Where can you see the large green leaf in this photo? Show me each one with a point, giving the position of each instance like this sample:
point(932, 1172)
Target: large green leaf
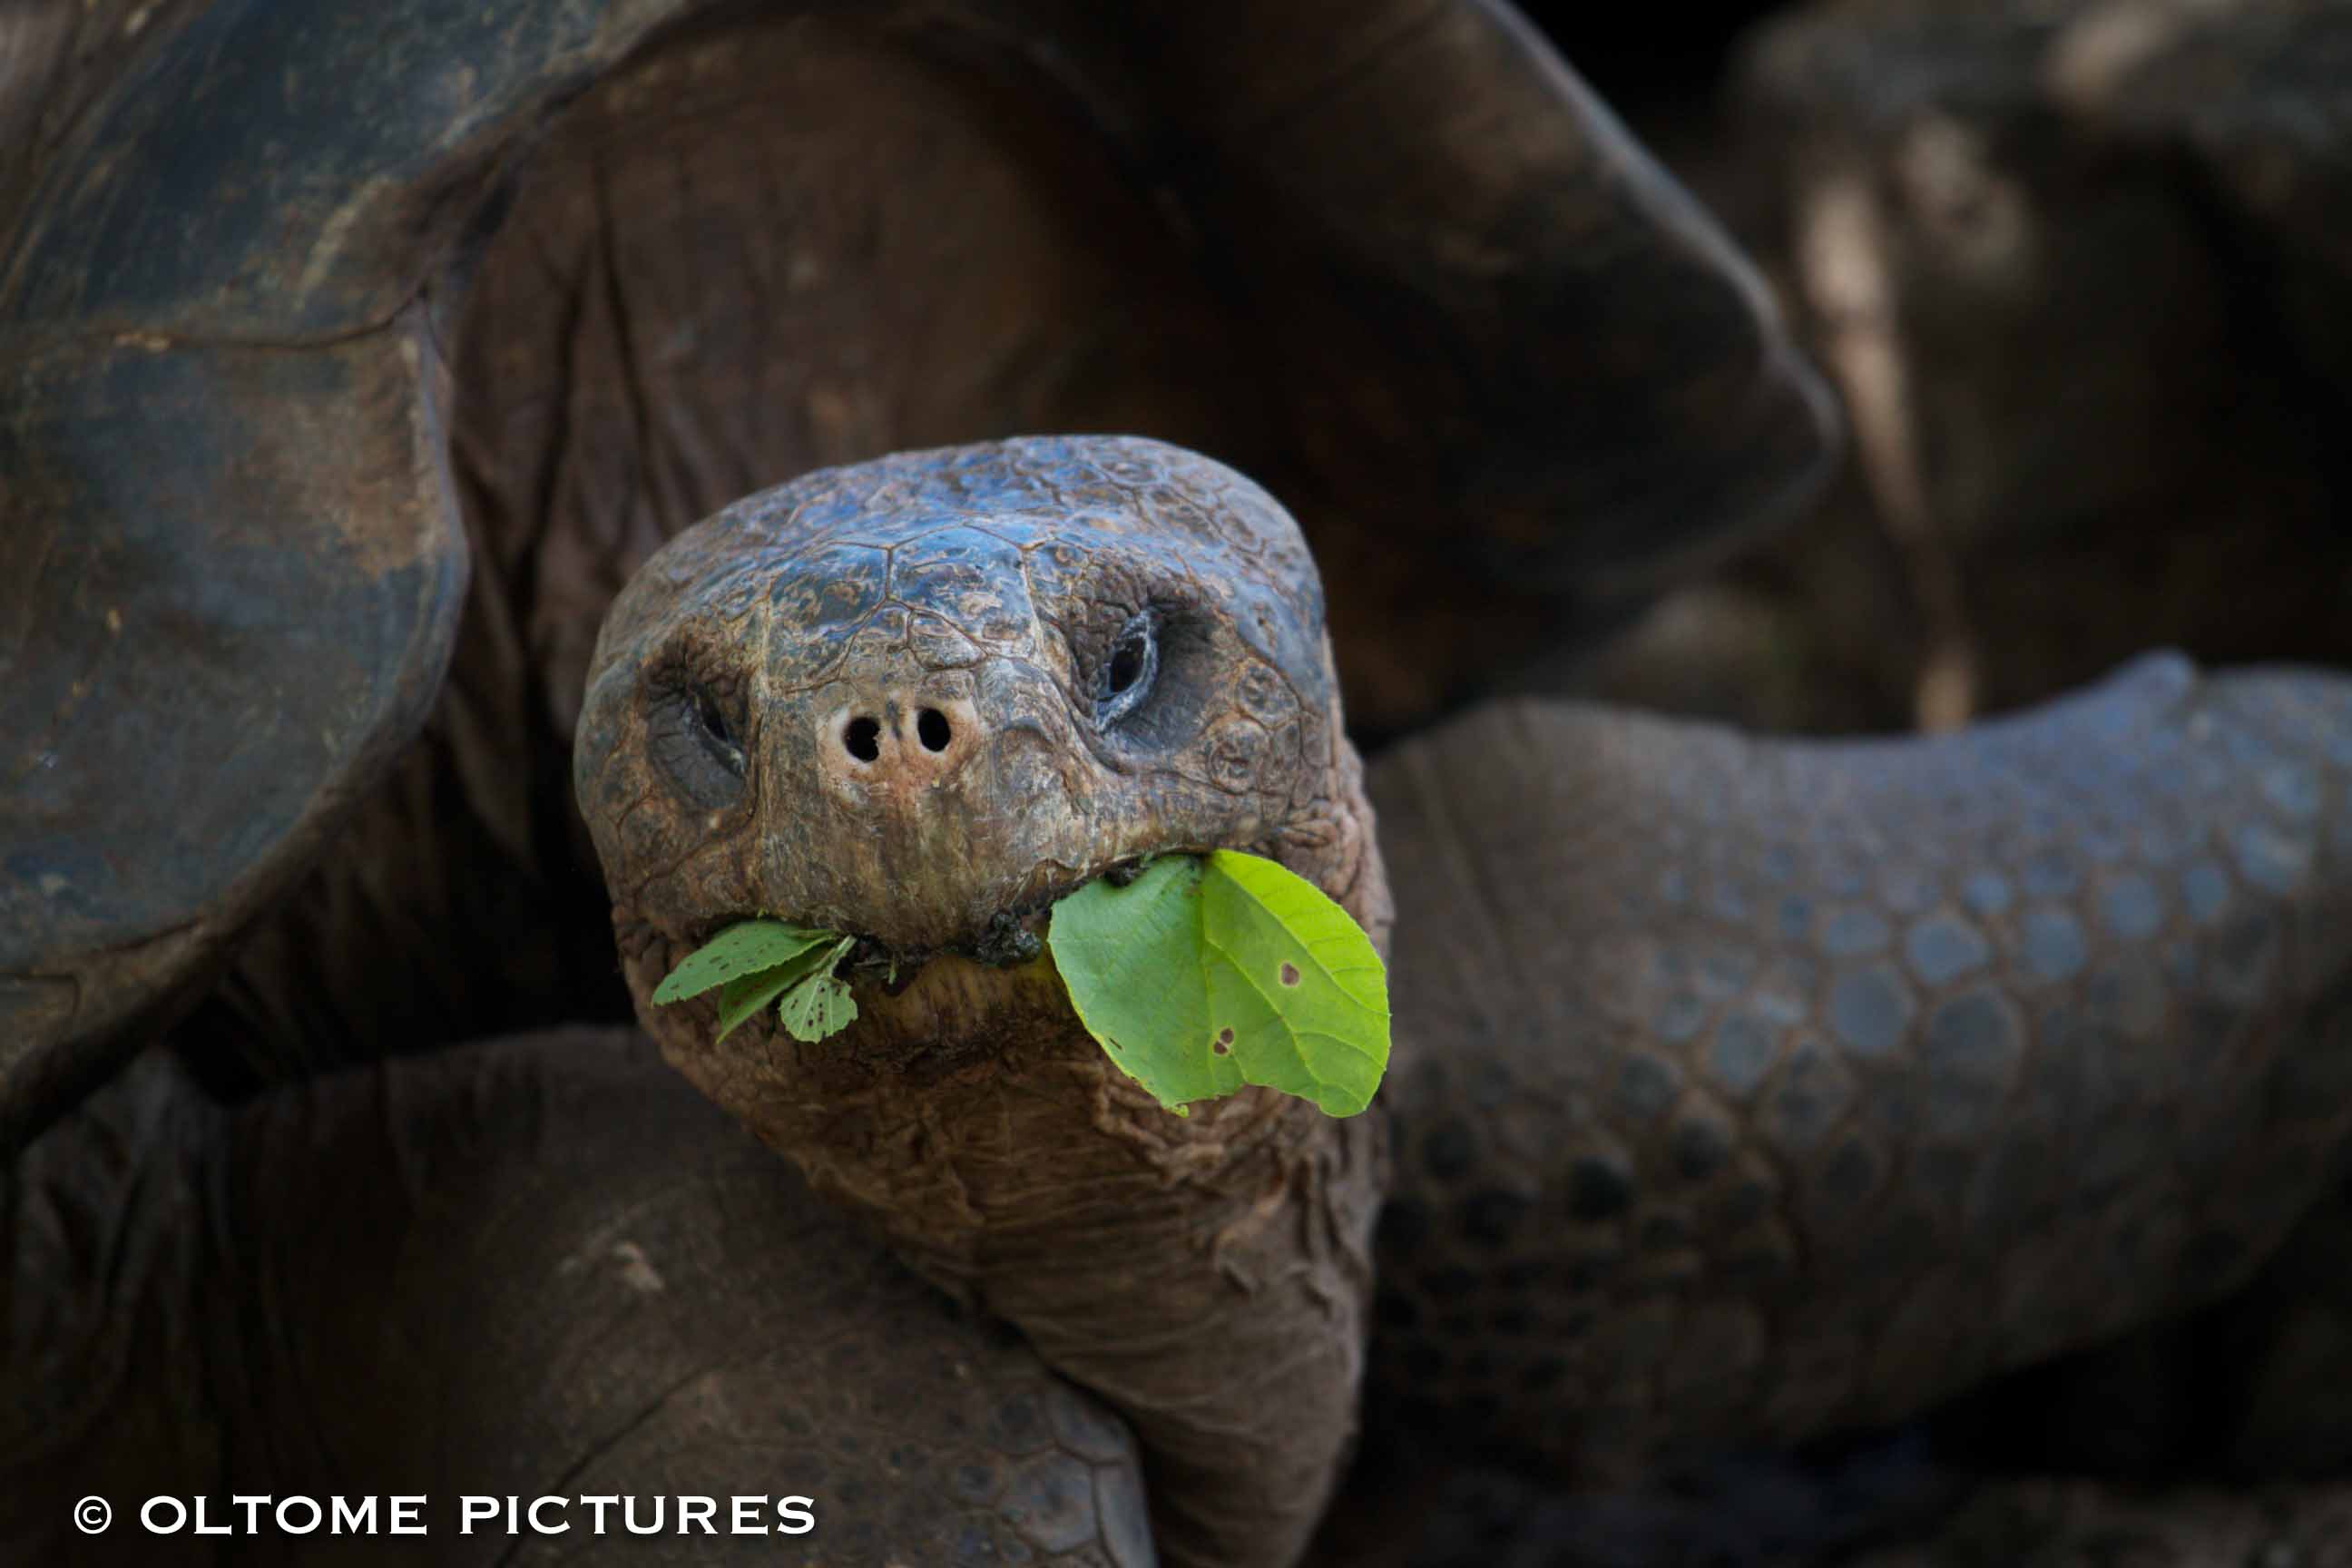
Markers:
point(1204, 975)
point(744, 949)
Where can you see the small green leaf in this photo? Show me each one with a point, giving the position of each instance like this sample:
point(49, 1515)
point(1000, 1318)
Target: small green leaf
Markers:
point(755, 962)
point(744, 949)
point(1204, 975)
point(818, 1006)
point(742, 997)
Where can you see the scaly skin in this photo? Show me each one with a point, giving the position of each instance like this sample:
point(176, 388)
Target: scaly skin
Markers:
point(1753, 1088)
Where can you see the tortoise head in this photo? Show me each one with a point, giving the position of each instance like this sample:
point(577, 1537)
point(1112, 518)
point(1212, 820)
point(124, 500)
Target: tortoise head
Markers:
point(917, 701)
point(920, 699)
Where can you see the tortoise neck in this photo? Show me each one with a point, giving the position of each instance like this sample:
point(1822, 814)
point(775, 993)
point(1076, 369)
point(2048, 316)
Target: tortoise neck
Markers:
point(1209, 1274)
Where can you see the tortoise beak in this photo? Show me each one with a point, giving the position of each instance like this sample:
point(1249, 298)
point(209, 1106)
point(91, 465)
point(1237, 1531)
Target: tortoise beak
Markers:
point(918, 807)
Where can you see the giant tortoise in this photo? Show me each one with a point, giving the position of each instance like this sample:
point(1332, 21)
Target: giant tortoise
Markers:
point(1743, 1090)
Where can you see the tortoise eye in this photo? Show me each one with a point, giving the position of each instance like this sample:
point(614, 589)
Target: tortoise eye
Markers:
point(698, 745)
point(711, 720)
point(1129, 674)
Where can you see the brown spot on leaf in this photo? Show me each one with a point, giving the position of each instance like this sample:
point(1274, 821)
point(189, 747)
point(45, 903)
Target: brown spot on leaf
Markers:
point(1222, 1043)
point(1289, 973)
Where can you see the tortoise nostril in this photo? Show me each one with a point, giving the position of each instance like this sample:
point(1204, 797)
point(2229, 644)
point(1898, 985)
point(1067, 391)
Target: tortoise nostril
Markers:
point(932, 726)
point(862, 738)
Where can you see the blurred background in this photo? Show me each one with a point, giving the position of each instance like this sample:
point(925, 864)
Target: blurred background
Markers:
point(2081, 273)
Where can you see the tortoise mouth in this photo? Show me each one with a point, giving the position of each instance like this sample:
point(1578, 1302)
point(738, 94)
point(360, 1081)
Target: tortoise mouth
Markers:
point(1010, 936)
point(927, 1013)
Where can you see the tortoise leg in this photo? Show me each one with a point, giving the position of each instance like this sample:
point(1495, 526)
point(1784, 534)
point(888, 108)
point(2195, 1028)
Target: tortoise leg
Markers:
point(541, 1267)
point(1749, 1090)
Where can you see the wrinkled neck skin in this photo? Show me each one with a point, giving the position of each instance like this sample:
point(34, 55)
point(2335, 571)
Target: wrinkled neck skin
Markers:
point(1208, 1274)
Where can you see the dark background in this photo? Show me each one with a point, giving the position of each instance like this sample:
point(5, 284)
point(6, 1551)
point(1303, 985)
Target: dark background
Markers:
point(1659, 63)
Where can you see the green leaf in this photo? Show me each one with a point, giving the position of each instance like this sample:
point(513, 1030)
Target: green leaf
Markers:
point(1204, 975)
point(741, 997)
point(744, 996)
point(819, 1006)
point(755, 962)
point(745, 948)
